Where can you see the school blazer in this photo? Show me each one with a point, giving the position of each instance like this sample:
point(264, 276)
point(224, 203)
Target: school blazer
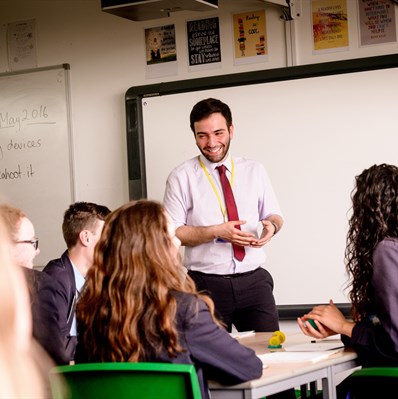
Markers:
point(61, 272)
point(45, 318)
point(215, 354)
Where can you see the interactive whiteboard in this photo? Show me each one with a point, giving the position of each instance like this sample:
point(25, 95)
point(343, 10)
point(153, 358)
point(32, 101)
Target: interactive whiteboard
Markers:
point(314, 128)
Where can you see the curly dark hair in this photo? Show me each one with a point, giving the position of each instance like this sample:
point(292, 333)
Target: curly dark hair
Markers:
point(374, 217)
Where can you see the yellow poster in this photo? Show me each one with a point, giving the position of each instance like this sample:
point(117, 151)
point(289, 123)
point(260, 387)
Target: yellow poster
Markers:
point(330, 25)
point(250, 37)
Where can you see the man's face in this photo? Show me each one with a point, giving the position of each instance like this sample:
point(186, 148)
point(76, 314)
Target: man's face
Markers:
point(25, 250)
point(213, 137)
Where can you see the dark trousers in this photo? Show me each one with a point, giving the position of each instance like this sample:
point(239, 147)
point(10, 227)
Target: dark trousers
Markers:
point(245, 300)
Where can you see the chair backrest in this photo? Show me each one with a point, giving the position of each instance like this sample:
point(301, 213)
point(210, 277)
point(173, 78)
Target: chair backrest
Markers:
point(126, 380)
point(374, 382)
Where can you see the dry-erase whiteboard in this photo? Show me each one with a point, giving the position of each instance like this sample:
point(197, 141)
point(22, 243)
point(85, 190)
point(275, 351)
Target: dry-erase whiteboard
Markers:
point(35, 151)
point(313, 135)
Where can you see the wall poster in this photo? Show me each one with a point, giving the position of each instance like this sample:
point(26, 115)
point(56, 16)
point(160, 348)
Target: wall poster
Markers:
point(376, 22)
point(204, 49)
point(21, 45)
point(250, 37)
point(329, 25)
point(161, 51)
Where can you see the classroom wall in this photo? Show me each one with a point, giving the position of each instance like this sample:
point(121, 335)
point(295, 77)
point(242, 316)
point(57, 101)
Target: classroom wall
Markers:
point(107, 56)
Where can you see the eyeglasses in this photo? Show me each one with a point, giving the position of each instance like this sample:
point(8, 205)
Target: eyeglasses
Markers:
point(34, 242)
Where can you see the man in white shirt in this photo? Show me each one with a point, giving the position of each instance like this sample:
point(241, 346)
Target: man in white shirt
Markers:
point(241, 289)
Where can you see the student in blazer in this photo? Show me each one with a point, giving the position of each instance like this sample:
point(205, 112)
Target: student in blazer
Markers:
point(81, 227)
point(139, 305)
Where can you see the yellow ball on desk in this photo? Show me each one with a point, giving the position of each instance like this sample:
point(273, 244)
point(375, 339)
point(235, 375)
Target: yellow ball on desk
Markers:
point(277, 339)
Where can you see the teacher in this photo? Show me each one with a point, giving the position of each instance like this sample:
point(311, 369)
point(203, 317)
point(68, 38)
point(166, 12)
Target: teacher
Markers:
point(218, 202)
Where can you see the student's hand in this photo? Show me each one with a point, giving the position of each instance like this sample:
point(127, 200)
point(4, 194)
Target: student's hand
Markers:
point(228, 232)
point(329, 321)
point(320, 332)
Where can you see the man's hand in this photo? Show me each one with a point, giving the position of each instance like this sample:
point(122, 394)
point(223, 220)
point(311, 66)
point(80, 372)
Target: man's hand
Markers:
point(266, 234)
point(228, 232)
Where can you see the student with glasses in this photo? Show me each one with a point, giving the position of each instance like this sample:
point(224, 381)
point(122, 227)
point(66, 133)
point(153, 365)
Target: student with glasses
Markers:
point(22, 233)
point(23, 365)
point(42, 289)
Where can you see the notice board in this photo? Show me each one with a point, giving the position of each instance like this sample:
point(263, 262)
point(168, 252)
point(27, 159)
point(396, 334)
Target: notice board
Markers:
point(36, 165)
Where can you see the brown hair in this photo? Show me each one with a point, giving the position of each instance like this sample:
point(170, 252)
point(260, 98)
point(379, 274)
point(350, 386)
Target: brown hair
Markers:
point(81, 216)
point(128, 309)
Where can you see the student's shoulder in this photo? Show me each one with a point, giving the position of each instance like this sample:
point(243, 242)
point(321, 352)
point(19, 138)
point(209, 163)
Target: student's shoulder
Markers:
point(39, 281)
point(58, 266)
point(189, 303)
point(388, 244)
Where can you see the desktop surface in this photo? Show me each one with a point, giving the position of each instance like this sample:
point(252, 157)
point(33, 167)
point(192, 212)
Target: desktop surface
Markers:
point(278, 376)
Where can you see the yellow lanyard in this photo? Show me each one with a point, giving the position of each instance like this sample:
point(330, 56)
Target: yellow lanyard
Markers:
point(222, 207)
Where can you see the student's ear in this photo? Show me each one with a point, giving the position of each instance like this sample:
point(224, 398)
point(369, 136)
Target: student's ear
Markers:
point(84, 237)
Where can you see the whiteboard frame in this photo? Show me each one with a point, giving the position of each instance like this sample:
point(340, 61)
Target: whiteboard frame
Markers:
point(66, 68)
point(135, 127)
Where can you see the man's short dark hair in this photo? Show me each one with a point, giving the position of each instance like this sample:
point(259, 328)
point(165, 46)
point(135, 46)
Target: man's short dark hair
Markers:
point(203, 109)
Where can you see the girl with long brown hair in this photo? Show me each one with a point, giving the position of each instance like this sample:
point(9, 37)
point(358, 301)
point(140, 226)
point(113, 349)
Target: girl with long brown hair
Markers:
point(139, 305)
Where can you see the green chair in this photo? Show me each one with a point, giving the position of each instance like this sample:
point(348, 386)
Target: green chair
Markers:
point(374, 382)
point(125, 380)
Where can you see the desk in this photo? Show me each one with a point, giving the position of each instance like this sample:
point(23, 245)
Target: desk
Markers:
point(279, 377)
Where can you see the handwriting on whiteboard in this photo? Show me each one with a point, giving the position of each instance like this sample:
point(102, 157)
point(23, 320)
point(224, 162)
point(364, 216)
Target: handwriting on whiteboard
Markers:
point(27, 116)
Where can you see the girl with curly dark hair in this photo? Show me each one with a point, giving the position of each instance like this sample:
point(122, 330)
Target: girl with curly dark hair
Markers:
point(372, 266)
point(138, 305)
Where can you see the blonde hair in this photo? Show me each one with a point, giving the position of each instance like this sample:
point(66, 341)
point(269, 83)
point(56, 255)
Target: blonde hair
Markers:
point(20, 376)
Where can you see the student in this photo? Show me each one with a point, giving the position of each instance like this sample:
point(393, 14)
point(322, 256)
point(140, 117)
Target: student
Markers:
point(372, 264)
point(25, 243)
point(138, 305)
point(20, 372)
point(81, 227)
point(42, 290)
point(223, 253)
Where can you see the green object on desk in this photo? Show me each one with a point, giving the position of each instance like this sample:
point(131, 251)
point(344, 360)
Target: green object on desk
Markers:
point(126, 380)
point(312, 322)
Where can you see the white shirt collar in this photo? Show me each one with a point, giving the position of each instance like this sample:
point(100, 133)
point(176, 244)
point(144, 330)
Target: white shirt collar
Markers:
point(211, 166)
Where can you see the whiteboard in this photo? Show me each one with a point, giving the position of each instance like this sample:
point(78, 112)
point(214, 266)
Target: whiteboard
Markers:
point(36, 172)
point(313, 134)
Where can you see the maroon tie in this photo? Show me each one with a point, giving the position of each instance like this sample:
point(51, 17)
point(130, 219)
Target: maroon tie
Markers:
point(239, 252)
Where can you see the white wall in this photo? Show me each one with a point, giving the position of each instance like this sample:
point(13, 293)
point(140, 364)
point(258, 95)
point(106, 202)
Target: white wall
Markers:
point(107, 56)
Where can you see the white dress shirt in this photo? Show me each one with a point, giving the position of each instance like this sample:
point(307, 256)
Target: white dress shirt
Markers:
point(191, 200)
point(79, 280)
